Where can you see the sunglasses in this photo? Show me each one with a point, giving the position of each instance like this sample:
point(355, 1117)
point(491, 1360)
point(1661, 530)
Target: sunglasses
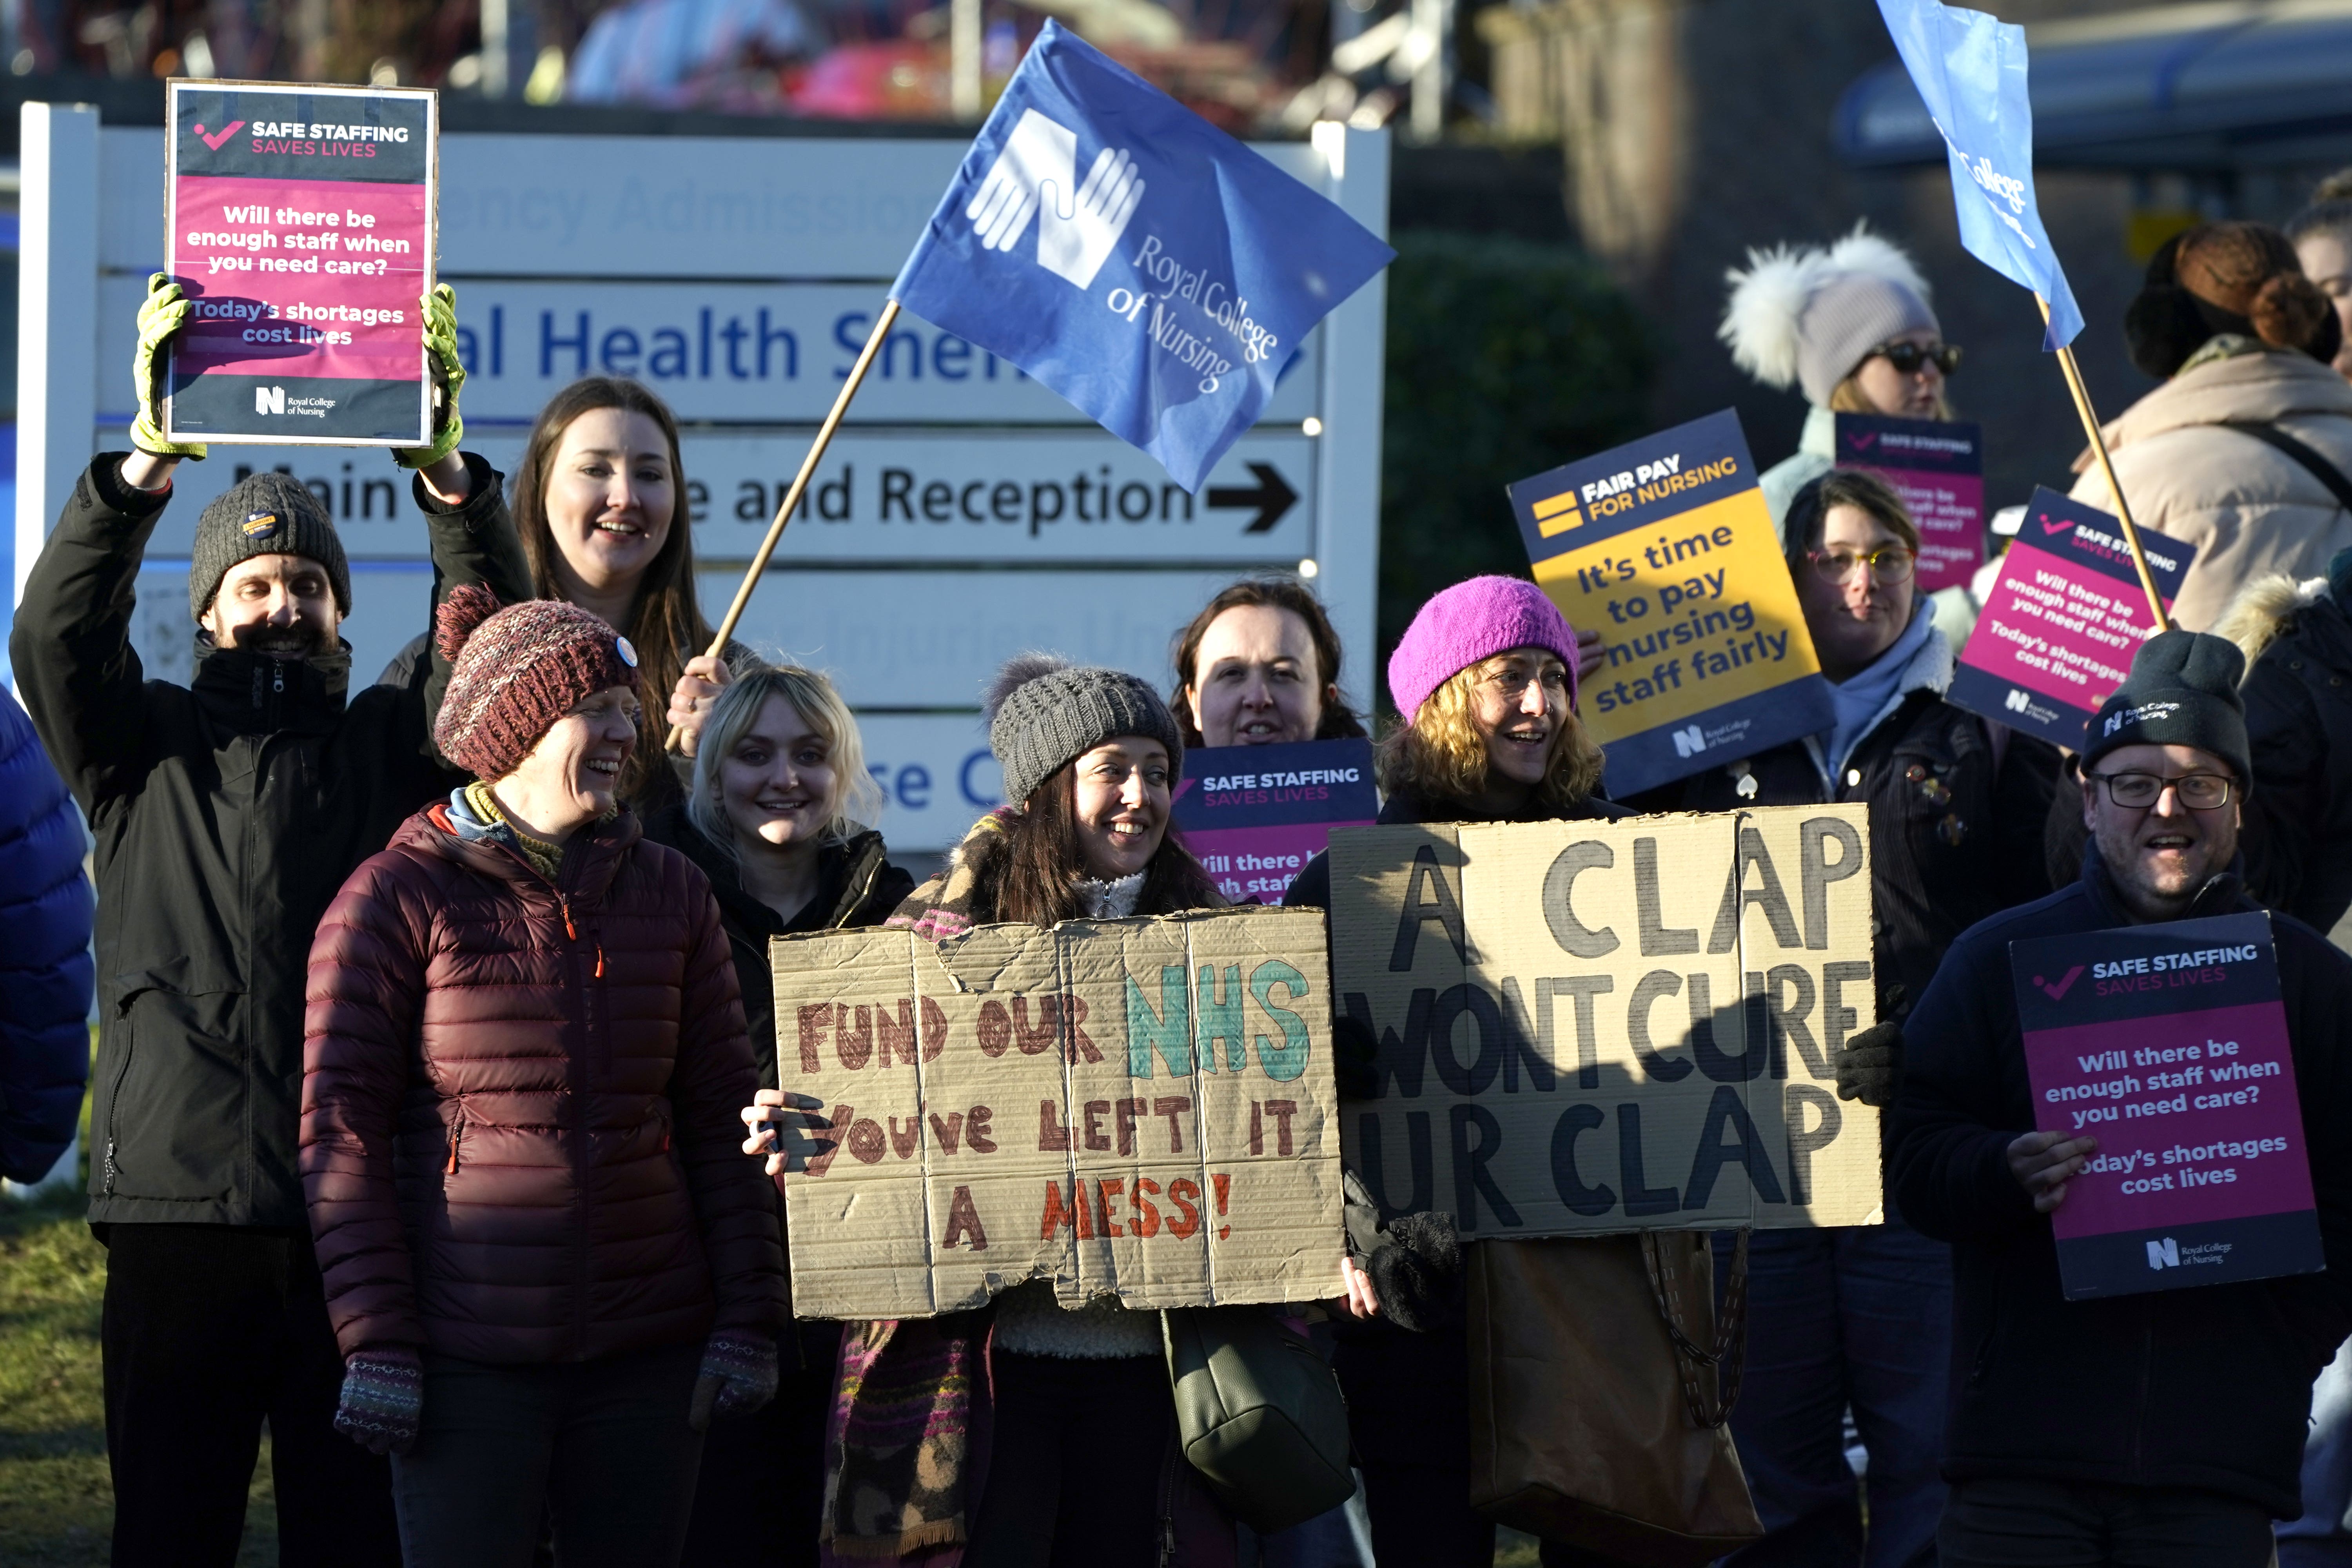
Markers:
point(1906, 358)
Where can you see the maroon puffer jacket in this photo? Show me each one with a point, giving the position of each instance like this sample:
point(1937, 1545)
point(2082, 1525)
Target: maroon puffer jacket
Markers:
point(520, 1129)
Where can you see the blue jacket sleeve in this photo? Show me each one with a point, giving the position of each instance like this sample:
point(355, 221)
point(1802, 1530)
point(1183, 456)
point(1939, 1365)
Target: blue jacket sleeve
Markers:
point(45, 964)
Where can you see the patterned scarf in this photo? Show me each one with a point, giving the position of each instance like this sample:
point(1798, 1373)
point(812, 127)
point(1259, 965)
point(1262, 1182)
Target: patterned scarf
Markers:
point(963, 894)
point(909, 1422)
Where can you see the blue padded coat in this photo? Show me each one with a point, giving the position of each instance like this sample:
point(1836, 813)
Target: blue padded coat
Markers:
point(45, 963)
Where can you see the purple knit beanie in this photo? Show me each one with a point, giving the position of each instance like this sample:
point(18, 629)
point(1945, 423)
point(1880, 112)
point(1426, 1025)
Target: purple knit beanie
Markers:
point(1473, 621)
point(517, 672)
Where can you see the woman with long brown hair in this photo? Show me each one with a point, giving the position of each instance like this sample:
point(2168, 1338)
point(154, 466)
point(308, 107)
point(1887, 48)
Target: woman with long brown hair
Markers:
point(600, 502)
point(1025, 1434)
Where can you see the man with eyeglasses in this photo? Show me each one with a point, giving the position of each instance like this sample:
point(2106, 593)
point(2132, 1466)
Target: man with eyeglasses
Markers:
point(2154, 1429)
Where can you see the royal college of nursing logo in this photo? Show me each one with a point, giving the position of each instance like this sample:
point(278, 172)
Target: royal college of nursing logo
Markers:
point(1035, 176)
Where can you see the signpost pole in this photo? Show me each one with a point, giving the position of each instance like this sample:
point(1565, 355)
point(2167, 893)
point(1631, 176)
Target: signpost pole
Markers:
point(873, 341)
point(2073, 374)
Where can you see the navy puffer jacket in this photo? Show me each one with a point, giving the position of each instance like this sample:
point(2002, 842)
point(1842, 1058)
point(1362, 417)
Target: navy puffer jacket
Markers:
point(45, 964)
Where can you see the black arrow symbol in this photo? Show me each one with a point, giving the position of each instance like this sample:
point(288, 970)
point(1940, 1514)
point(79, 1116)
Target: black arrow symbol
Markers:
point(1273, 497)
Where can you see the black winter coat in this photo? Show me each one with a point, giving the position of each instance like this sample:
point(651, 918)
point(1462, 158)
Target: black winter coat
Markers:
point(2298, 816)
point(1407, 1394)
point(1955, 828)
point(2205, 1388)
point(856, 886)
point(227, 814)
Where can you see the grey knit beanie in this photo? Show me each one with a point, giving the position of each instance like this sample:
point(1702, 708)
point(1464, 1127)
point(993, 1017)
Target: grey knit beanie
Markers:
point(1807, 316)
point(264, 514)
point(1044, 711)
point(1850, 315)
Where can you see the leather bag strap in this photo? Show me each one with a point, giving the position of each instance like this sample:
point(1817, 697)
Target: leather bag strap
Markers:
point(2320, 468)
point(1727, 1355)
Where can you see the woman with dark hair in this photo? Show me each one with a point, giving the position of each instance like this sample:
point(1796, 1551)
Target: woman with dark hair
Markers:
point(1259, 666)
point(599, 500)
point(1040, 1435)
point(1485, 678)
point(1860, 1318)
point(2244, 449)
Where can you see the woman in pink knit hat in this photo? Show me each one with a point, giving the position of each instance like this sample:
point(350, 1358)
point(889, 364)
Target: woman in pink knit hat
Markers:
point(1485, 680)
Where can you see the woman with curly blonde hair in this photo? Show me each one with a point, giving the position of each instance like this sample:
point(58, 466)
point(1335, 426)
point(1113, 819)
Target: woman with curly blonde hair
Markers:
point(1485, 680)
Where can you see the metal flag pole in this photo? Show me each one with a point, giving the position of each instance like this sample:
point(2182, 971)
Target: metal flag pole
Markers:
point(718, 647)
point(2073, 374)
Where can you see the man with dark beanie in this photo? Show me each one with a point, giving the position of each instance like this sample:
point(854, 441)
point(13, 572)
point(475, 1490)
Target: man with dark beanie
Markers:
point(2151, 1429)
point(227, 812)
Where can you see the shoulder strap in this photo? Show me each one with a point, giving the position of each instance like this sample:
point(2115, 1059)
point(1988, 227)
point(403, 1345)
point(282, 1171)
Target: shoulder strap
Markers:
point(2320, 468)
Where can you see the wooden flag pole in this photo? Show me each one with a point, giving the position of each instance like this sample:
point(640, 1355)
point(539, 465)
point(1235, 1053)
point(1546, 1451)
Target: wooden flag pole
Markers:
point(873, 338)
point(2073, 374)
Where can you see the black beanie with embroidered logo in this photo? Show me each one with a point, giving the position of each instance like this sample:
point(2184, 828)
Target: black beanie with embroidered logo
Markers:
point(2182, 691)
point(264, 514)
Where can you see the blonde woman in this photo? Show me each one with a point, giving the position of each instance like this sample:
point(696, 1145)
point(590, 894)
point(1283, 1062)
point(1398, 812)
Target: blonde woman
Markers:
point(779, 819)
point(1485, 678)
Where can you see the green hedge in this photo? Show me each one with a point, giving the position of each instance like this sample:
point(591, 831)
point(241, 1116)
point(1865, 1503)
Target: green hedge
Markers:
point(1505, 357)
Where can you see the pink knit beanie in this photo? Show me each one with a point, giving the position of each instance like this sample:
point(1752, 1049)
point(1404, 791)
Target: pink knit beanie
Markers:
point(1473, 621)
point(517, 672)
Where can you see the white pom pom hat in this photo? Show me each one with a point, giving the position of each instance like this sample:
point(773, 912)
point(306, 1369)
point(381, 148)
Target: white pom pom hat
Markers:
point(1810, 316)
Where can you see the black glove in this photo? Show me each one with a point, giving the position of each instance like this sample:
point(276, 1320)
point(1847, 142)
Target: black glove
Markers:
point(1418, 1274)
point(1414, 1260)
point(1870, 1068)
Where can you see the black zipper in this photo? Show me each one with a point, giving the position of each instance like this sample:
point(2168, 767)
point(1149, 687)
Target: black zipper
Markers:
point(114, 1103)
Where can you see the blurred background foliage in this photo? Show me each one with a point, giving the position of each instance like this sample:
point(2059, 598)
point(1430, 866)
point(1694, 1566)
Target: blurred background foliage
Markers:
point(1505, 356)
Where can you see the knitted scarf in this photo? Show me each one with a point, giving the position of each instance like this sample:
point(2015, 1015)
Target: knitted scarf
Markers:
point(482, 808)
point(962, 895)
point(906, 1439)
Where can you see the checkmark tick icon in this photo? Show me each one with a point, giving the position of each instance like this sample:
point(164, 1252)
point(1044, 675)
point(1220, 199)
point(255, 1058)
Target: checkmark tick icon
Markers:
point(215, 141)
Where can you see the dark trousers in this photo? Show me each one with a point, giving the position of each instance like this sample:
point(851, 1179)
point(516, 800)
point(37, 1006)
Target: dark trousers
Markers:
point(1859, 1318)
point(1076, 1464)
point(601, 1449)
point(759, 1499)
point(2017, 1523)
point(1409, 1415)
point(207, 1331)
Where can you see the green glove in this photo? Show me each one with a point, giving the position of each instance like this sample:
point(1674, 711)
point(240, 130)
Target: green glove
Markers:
point(165, 314)
point(448, 374)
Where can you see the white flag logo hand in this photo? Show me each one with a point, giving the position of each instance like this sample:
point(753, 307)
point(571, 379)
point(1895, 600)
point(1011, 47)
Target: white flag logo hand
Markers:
point(1074, 245)
point(1039, 155)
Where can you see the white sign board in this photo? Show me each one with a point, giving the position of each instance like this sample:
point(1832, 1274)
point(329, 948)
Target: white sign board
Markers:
point(964, 513)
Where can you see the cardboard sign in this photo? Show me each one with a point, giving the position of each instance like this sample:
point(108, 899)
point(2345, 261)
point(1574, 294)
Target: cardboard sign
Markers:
point(300, 222)
point(1137, 1108)
point(1666, 548)
point(2065, 618)
point(1596, 1027)
point(1256, 815)
point(2167, 1043)
point(1936, 466)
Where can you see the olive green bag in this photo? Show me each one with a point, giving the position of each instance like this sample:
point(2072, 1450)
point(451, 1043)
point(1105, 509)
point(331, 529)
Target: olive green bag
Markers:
point(1259, 1414)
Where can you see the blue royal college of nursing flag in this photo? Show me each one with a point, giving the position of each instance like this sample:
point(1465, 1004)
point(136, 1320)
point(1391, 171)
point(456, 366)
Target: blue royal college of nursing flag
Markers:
point(1969, 69)
point(1132, 257)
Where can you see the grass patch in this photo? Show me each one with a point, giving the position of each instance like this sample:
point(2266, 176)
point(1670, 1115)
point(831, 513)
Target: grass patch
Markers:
point(56, 1504)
